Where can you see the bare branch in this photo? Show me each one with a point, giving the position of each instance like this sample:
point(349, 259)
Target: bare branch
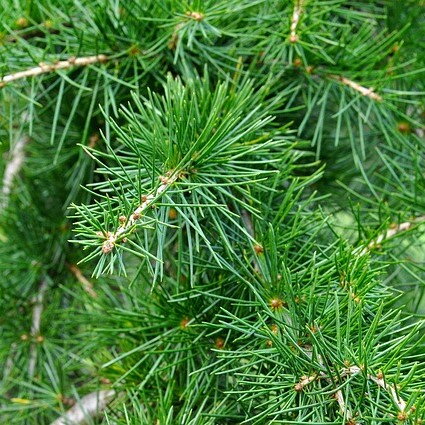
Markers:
point(398, 401)
point(348, 372)
point(345, 411)
point(35, 325)
point(87, 285)
point(90, 406)
point(44, 68)
point(380, 381)
point(14, 165)
point(393, 230)
point(364, 91)
point(296, 15)
point(304, 381)
point(10, 361)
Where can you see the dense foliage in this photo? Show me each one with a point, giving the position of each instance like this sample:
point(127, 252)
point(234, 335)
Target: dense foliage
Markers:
point(212, 212)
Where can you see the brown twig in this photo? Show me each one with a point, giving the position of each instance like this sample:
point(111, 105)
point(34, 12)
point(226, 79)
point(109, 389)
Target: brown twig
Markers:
point(87, 285)
point(44, 68)
point(90, 406)
point(35, 325)
point(364, 91)
point(147, 201)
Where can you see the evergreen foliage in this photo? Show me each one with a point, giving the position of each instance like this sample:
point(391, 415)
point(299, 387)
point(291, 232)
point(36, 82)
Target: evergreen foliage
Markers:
point(212, 212)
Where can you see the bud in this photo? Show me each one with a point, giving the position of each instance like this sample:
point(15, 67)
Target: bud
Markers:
point(276, 303)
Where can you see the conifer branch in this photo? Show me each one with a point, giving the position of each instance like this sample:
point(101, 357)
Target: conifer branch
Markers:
point(391, 389)
point(14, 165)
point(86, 284)
point(35, 325)
point(304, 381)
point(9, 363)
point(393, 230)
point(90, 406)
point(44, 68)
point(296, 15)
point(345, 411)
point(348, 372)
point(364, 91)
point(246, 218)
point(380, 381)
point(147, 201)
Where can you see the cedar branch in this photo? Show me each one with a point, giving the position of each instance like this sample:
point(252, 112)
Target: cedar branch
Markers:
point(35, 325)
point(296, 15)
point(87, 285)
point(364, 91)
point(44, 68)
point(90, 406)
point(14, 165)
point(147, 201)
point(351, 371)
point(393, 230)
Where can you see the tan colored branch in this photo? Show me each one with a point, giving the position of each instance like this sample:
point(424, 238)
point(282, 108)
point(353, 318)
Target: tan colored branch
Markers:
point(345, 411)
point(303, 382)
point(197, 16)
point(348, 372)
point(147, 201)
point(14, 165)
point(44, 68)
point(364, 91)
point(87, 285)
point(90, 406)
point(10, 361)
point(398, 401)
point(390, 232)
point(296, 15)
point(380, 381)
point(35, 325)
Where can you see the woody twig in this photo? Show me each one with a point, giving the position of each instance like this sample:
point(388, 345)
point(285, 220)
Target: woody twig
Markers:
point(44, 68)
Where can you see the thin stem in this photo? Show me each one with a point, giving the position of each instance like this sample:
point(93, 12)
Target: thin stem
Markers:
point(345, 411)
point(44, 68)
point(296, 15)
point(87, 285)
point(364, 91)
point(390, 232)
point(14, 165)
point(351, 371)
point(147, 201)
point(398, 401)
point(10, 361)
point(35, 325)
